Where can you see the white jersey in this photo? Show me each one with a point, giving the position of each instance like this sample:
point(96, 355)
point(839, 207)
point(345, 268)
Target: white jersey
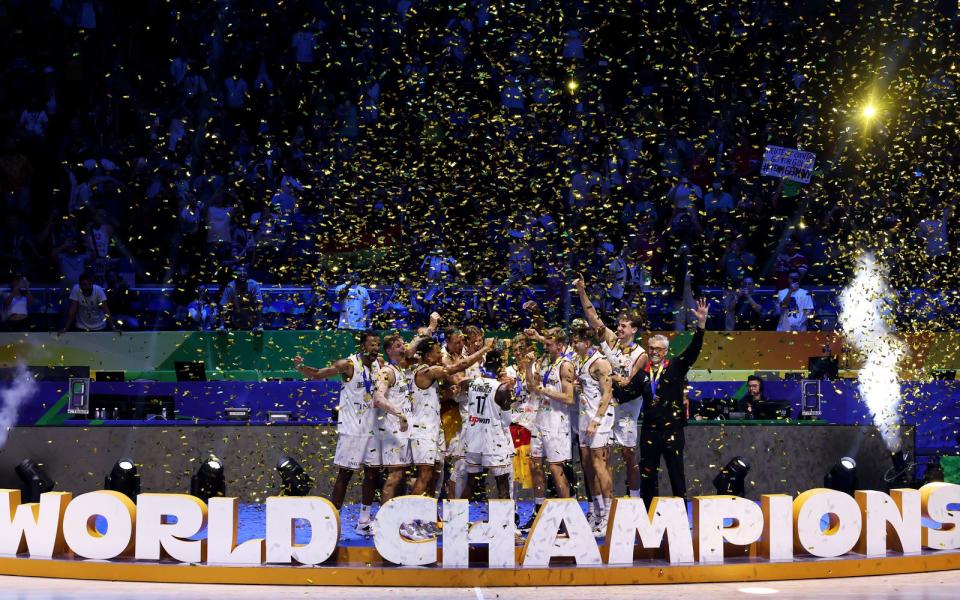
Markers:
point(356, 414)
point(425, 417)
point(524, 409)
point(487, 428)
point(590, 397)
point(622, 359)
point(398, 395)
point(552, 416)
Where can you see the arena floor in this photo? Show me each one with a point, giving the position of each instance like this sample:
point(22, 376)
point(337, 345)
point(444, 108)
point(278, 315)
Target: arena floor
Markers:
point(928, 586)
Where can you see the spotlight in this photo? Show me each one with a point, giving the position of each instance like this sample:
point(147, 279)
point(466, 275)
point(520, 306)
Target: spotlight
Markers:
point(843, 476)
point(209, 480)
point(869, 111)
point(295, 481)
point(572, 85)
point(35, 481)
point(730, 480)
point(124, 478)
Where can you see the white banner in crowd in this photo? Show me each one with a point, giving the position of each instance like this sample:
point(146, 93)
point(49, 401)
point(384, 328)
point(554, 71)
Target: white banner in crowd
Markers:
point(788, 163)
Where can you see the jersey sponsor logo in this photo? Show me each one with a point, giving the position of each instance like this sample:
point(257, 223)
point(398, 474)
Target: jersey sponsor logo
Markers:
point(475, 420)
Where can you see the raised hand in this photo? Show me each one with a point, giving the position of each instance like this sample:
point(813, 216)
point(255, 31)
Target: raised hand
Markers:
point(701, 312)
point(297, 362)
point(579, 284)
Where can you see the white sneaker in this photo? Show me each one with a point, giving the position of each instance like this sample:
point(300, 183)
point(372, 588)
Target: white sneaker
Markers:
point(600, 529)
point(592, 518)
point(414, 531)
point(364, 528)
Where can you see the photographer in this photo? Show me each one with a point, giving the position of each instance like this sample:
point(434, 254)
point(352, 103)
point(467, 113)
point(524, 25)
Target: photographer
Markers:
point(743, 312)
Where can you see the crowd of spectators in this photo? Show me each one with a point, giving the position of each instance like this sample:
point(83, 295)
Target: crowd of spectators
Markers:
point(461, 155)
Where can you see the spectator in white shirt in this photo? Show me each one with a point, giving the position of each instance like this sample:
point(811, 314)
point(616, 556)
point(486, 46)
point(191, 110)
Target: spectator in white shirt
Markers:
point(88, 307)
point(15, 305)
point(354, 299)
point(794, 306)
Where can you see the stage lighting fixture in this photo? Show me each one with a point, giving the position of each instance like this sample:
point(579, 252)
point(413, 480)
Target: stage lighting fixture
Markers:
point(731, 478)
point(209, 480)
point(35, 481)
point(843, 476)
point(869, 111)
point(294, 480)
point(124, 478)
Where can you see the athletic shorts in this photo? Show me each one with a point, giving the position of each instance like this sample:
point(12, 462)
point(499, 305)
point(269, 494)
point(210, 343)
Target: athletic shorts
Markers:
point(486, 461)
point(424, 452)
point(495, 471)
point(355, 451)
point(600, 439)
point(625, 423)
point(554, 447)
point(394, 451)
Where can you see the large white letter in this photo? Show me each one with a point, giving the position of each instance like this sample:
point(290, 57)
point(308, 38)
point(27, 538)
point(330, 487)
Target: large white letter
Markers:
point(889, 522)
point(709, 533)
point(386, 531)
point(32, 527)
point(81, 534)
point(498, 532)
point(155, 532)
point(666, 521)
point(324, 529)
point(776, 543)
point(222, 546)
point(542, 543)
point(845, 523)
point(935, 498)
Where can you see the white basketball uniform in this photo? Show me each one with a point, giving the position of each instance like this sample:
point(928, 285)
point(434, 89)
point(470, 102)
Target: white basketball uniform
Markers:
point(395, 444)
point(588, 402)
point(552, 438)
point(426, 434)
point(524, 409)
point(455, 447)
point(357, 419)
point(486, 432)
point(625, 413)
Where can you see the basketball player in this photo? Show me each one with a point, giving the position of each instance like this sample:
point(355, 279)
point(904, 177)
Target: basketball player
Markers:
point(523, 413)
point(626, 358)
point(553, 386)
point(426, 434)
point(596, 414)
point(486, 432)
point(458, 345)
point(391, 394)
point(356, 422)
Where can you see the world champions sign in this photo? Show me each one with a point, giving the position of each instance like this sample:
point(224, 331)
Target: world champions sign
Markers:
point(159, 527)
